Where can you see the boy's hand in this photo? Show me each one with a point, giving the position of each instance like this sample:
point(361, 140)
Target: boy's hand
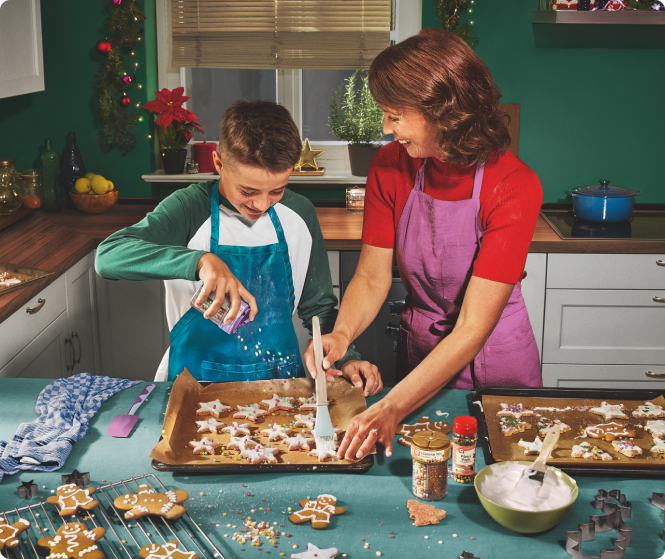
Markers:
point(334, 348)
point(355, 370)
point(217, 277)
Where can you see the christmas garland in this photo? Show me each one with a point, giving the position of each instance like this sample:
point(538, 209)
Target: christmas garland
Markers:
point(448, 12)
point(124, 31)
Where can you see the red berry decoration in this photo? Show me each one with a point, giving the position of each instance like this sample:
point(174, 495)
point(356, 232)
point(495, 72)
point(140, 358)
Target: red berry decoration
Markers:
point(103, 46)
point(125, 100)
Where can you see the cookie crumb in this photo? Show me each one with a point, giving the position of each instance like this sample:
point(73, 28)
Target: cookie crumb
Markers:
point(454, 535)
point(378, 553)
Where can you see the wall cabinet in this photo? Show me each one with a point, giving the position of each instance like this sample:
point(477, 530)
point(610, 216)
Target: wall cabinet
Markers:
point(55, 335)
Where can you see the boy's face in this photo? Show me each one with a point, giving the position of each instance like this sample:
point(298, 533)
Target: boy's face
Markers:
point(251, 190)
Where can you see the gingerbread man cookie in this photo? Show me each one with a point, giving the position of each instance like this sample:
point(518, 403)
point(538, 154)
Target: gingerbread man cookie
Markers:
point(163, 551)
point(146, 501)
point(8, 532)
point(423, 424)
point(319, 511)
point(74, 541)
point(608, 431)
point(70, 498)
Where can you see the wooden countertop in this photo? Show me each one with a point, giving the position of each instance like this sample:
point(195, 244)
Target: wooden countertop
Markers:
point(57, 241)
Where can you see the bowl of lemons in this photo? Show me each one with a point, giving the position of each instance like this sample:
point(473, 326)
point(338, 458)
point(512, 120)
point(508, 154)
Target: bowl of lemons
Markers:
point(93, 194)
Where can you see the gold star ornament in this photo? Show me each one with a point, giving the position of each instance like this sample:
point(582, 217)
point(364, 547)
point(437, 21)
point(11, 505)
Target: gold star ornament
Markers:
point(308, 157)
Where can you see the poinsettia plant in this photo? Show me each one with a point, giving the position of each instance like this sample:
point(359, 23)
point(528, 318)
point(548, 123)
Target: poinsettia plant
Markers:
point(175, 125)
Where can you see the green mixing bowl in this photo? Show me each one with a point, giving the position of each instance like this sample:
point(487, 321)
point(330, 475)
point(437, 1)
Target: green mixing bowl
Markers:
point(524, 521)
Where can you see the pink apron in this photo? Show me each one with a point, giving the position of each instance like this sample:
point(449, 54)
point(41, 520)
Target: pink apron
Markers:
point(436, 245)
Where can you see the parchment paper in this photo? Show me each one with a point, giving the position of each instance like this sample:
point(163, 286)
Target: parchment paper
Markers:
point(506, 448)
point(180, 425)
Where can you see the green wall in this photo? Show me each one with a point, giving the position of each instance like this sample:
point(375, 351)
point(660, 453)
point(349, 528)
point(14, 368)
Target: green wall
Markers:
point(586, 114)
point(70, 30)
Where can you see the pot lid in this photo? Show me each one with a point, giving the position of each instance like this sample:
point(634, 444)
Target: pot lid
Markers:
point(605, 190)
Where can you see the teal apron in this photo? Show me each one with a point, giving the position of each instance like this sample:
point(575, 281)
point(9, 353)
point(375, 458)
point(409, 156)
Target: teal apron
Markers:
point(266, 348)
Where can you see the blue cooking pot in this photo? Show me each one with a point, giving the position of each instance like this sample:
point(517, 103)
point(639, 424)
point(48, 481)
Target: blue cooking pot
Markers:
point(604, 203)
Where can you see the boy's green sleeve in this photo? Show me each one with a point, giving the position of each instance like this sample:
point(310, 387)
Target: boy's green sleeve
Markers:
point(156, 247)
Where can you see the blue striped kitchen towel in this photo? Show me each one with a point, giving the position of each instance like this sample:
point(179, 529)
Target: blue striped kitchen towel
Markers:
point(65, 408)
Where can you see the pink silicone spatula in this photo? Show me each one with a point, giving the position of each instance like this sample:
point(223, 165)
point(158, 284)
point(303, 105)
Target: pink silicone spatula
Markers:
point(122, 425)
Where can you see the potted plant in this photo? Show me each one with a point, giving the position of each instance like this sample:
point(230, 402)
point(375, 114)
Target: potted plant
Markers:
point(175, 127)
point(357, 119)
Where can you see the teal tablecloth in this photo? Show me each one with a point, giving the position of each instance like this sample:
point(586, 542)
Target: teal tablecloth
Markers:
point(375, 501)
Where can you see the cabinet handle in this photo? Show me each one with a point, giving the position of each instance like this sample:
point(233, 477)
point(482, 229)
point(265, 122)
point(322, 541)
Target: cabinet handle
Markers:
point(654, 375)
point(659, 299)
point(78, 341)
point(392, 330)
point(396, 307)
point(70, 366)
point(41, 302)
point(524, 274)
point(660, 263)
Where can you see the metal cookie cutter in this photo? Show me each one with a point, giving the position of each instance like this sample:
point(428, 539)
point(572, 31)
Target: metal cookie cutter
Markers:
point(468, 555)
point(658, 500)
point(603, 523)
point(28, 489)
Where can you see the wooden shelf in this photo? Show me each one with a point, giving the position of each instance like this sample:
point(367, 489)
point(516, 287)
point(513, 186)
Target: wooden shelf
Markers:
point(626, 29)
point(327, 179)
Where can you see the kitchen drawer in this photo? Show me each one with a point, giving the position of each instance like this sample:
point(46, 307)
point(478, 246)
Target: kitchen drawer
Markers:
point(21, 328)
point(603, 376)
point(611, 327)
point(605, 271)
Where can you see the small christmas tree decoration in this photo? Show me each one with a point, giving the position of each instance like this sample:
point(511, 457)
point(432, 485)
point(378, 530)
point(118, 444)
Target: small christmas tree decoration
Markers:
point(448, 12)
point(307, 164)
point(125, 100)
point(103, 46)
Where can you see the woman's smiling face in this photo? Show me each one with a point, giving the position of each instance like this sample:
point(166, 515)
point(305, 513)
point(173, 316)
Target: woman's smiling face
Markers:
point(413, 131)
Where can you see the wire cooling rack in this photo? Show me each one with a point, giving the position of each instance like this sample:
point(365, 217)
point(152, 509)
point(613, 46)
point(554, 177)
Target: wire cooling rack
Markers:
point(123, 538)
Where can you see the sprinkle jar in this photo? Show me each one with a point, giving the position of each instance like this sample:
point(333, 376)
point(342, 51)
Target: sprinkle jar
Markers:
point(430, 451)
point(464, 448)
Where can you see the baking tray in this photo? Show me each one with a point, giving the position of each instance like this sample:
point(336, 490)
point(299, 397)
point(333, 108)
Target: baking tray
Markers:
point(33, 274)
point(565, 393)
point(242, 467)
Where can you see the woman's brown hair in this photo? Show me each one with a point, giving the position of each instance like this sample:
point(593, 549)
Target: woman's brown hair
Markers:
point(259, 134)
point(437, 74)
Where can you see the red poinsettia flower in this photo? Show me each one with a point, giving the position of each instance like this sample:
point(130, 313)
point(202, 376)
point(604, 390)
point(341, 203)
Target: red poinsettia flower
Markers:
point(168, 106)
point(190, 118)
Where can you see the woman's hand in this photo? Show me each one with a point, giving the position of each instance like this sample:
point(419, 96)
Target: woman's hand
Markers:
point(334, 348)
point(217, 277)
point(355, 370)
point(377, 424)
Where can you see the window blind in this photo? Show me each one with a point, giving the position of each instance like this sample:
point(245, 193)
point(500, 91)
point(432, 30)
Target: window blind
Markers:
point(258, 34)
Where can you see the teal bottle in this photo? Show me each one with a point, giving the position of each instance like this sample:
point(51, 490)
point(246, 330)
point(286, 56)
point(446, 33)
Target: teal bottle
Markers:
point(52, 197)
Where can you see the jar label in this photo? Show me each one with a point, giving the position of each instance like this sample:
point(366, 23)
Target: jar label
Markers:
point(430, 455)
point(464, 460)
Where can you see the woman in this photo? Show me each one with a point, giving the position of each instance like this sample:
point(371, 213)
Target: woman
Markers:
point(457, 212)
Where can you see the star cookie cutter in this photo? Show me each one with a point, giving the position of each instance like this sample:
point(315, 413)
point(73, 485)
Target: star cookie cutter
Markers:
point(81, 479)
point(468, 555)
point(658, 500)
point(28, 490)
point(603, 523)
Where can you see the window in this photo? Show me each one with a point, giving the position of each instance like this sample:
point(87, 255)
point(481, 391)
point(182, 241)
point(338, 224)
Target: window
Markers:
point(306, 93)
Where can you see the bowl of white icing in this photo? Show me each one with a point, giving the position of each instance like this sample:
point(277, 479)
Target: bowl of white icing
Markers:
point(495, 483)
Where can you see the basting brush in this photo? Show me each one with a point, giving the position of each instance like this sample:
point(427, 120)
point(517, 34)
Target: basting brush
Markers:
point(323, 429)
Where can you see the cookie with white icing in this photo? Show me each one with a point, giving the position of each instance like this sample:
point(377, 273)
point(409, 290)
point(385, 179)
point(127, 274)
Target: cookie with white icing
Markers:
point(214, 408)
point(514, 410)
point(260, 454)
point(74, 541)
point(608, 431)
point(210, 425)
point(70, 498)
point(8, 532)
point(533, 448)
point(627, 448)
point(298, 442)
point(510, 426)
point(318, 511)
point(589, 452)
point(276, 432)
point(165, 551)
point(307, 404)
point(304, 421)
point(656, 428)
point(545, 424)
point(314, 552)
point(658, 446)
point(236, 429)
point(251, 412)
point(205, 446)
point(608, 411)
point(278, 403)
point(241, 443)
point(146, 502)
point(649, 409)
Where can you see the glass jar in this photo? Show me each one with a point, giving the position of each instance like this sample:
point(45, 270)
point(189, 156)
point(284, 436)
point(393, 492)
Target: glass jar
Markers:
point(430, 451)
point(464, 448)
point(355, 200)
point(31, 188)
point(10, 195)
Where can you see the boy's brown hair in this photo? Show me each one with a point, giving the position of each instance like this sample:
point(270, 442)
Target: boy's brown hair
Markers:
point(437, 74)
point(259, 134)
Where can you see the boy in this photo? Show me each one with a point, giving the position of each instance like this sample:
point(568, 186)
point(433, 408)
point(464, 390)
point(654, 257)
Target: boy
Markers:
point(245, 236)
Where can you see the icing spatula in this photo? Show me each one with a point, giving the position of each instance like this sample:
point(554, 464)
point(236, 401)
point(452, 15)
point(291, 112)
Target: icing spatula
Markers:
point(122, 425)
point(323, 428)
point(530, 483)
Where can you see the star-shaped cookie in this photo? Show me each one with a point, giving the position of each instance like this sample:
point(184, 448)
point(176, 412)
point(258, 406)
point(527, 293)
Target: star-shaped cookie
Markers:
point(314, 552)
point(608, 411)
point(423, 424)
point(210, 425)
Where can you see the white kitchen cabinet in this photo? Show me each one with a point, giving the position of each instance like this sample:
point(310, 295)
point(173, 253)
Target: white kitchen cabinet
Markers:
point(133, 331)
point(604, 376)
point(21, 57)
point(533, 291)
point(55, 334)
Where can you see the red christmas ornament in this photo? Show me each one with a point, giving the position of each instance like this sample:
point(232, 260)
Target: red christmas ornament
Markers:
point(125, 100)
point(103, 46)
